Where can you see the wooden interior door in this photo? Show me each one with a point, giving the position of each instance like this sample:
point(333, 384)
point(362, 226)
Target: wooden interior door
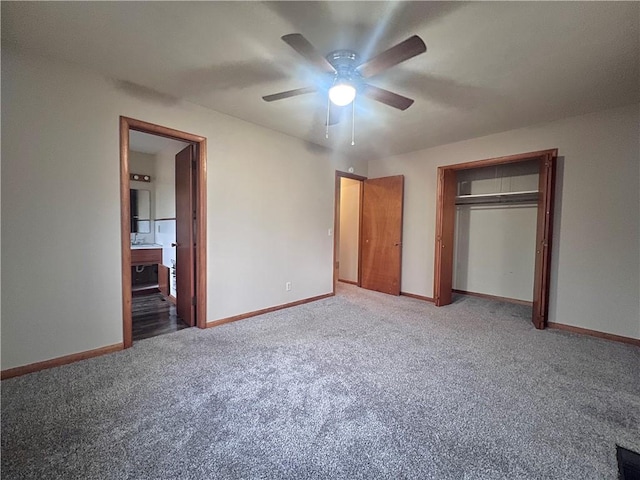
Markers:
point(542, 270)
point(381, 237)
point(445, 232)
point(185, 220)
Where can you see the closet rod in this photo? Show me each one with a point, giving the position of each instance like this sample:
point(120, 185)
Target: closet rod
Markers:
point(499, 194)
point(503, 197)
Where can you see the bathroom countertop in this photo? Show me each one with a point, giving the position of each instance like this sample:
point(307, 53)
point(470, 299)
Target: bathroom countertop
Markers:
point(142, 246)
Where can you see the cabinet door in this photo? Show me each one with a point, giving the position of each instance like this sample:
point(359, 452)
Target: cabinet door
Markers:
point(163, 280)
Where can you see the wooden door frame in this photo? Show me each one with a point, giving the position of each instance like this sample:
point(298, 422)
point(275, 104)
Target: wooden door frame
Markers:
point(336, 223)
point(445, 228)
point(127, 124)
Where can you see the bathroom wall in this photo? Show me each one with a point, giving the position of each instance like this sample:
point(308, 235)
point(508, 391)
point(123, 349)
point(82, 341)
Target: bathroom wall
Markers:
point(165, 236)
point(165, 183)
point(144, 163)
point(165, 211)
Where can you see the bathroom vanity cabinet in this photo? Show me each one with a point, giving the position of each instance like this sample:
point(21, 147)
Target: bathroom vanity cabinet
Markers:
point(146, 256)
point(144, 267)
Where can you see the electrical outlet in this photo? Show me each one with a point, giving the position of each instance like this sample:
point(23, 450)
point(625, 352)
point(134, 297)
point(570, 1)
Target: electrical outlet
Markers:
point(287, 286)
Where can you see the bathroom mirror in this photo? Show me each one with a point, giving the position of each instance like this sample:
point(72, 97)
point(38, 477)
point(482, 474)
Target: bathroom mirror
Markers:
point(140, 210)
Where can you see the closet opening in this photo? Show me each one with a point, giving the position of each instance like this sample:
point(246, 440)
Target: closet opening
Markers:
point(494, 230)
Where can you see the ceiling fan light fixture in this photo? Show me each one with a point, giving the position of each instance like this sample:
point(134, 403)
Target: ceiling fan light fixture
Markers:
point(342, 93)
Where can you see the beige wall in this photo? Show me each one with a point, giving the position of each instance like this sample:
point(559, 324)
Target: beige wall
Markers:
point(595, 276)
point(495, 250)
point(349, 228)
point(144, 163)
point(270, 205)
point(495, 243)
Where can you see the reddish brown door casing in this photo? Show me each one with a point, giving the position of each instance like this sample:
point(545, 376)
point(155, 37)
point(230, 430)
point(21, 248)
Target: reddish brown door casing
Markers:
point(185, 211)
point(381, 248)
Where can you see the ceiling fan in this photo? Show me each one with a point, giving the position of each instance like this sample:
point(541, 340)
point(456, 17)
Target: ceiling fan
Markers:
point(344, 76)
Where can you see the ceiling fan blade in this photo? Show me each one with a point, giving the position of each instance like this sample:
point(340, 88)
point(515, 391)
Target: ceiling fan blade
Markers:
point(308, 51)
point(388, 98)
point(288, 93)
point(411, 47)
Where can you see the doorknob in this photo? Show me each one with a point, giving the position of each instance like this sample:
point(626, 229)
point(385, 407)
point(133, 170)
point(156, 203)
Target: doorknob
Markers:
point(397, 244)
point(174, 244)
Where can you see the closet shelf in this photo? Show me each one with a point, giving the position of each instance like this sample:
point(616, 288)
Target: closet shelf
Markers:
point(527, 196)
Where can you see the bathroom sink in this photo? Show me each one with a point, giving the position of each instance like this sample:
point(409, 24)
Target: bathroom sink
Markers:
point(145, 245)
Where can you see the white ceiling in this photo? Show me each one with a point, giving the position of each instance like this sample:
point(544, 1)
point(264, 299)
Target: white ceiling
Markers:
point(490, 66)
point(153, 144)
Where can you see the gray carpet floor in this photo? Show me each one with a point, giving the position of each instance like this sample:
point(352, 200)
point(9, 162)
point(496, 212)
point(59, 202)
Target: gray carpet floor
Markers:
point(361, 385)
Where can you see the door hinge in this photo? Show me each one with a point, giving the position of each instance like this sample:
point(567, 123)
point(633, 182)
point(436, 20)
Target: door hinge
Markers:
point(193, 301)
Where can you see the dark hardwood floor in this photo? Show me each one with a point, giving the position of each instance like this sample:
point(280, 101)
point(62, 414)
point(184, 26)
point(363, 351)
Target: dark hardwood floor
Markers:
point(154, 315)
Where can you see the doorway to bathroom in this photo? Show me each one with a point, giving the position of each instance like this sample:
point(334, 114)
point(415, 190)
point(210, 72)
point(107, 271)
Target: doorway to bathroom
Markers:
point(163, 229)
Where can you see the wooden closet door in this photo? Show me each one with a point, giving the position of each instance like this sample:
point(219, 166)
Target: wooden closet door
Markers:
point(381, 248)
point(542, 270)
point(445, 232)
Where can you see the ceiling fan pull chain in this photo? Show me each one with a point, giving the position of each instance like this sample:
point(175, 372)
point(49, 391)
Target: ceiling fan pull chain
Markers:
point(353, 122)
point(326, 133)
